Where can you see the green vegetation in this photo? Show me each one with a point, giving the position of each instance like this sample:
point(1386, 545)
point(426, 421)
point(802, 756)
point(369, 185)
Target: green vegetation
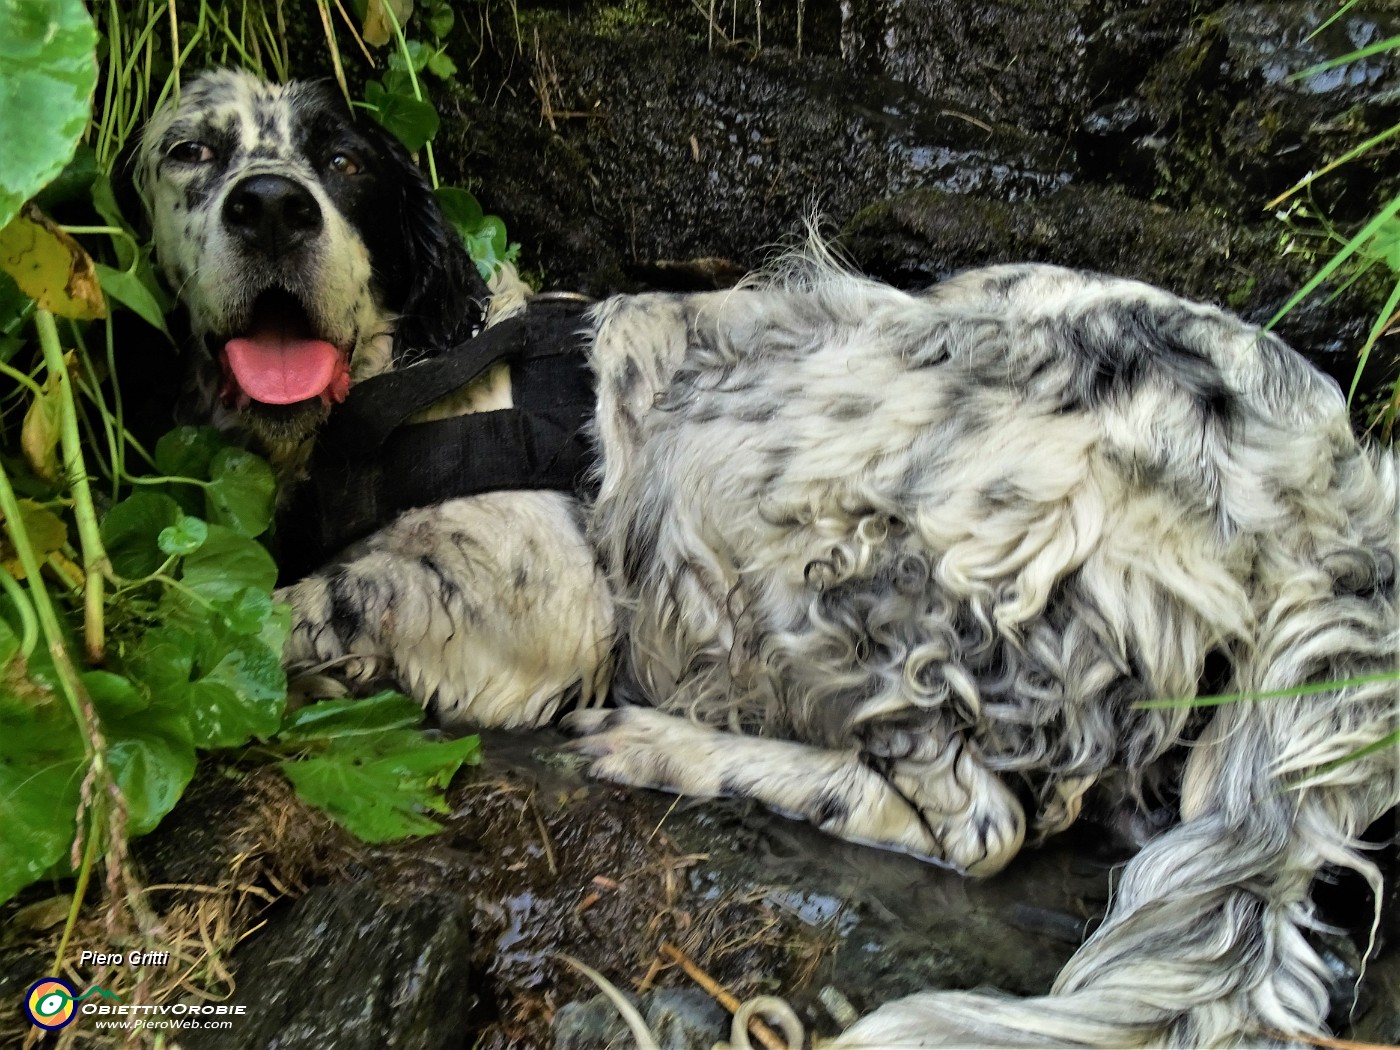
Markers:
point(138, 627)
point(1374, 247)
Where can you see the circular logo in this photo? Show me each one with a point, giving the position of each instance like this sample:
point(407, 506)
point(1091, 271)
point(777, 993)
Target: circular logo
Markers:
point(49, 1004)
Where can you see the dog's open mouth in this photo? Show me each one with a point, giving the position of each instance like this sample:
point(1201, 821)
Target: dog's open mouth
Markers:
point(280, 360)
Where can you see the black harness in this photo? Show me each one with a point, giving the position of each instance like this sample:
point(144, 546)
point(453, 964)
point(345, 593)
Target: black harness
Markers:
point(369, 465)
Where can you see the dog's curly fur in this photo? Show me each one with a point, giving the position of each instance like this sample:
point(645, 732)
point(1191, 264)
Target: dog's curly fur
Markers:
point(904, 565)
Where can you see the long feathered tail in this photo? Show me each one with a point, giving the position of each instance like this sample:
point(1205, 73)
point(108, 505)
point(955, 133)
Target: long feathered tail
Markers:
point(1204, 944)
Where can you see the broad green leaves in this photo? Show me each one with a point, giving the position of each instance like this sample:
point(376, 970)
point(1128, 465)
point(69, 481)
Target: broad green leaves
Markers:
point(484, 235)
point(42, 764)
point(241, 492)
point(131, 533)
point(371, 769)
point(410, 120)
point(48, 66)
point(196, 666)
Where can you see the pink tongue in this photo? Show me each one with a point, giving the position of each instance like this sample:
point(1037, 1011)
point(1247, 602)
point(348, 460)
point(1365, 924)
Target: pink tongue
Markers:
point(278, 370)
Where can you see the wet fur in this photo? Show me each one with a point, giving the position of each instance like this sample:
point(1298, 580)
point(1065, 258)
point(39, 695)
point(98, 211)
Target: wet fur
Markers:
point(905, 565)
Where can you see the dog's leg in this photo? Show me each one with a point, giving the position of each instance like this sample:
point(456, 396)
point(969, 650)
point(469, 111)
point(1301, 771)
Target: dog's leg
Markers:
point(946, 807)
point(1204, 944)
point(489, 610)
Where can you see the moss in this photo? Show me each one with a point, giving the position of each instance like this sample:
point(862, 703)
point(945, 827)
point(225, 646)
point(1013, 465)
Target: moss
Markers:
point(621, 17)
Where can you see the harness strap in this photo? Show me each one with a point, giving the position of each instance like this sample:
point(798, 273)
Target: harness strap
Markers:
point(378, 405)
point(369, 466)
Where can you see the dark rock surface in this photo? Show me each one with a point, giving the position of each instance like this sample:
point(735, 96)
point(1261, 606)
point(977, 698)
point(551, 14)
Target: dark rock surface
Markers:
point(1140, 137)
point(350, 967)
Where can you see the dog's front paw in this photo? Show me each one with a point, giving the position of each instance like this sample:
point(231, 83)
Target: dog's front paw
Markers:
point(639, 746)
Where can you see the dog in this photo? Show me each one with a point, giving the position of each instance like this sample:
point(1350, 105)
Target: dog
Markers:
point(907, 566)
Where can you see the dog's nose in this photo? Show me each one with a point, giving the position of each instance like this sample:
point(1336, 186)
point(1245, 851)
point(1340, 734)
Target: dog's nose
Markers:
point(272, 212)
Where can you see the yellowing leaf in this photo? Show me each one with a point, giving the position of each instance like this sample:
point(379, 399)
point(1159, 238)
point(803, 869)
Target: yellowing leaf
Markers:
point(39, 435)
point(50, 266)
point(378, 29)
point(46, 531)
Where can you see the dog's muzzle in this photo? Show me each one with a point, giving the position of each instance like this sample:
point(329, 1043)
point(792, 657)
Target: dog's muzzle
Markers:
point(272, 215)
point(278, 358)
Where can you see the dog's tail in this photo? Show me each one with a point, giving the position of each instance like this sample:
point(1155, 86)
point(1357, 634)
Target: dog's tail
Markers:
point(1204, 944)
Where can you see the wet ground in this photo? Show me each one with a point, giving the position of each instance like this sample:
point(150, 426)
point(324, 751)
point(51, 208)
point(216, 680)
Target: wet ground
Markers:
point(455, 941)
point(537, 861)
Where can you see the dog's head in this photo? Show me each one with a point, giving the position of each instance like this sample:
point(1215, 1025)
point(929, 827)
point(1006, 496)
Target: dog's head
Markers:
point(306, 246)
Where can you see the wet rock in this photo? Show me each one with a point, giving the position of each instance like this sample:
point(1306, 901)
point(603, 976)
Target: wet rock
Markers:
point(1006, 62)
point(352, 967)
point(589, 1025)
point(1135, 137)
point(1230, 119)
point(1380, 1024)
point(652, 146)
point(680, 1019)
point(685, 1019)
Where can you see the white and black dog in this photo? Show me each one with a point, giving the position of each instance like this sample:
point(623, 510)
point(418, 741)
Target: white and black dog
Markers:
point(902, 565)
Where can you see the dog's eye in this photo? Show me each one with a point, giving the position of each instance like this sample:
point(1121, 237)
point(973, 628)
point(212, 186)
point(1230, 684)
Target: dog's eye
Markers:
point(190, 153)
point(345, 164)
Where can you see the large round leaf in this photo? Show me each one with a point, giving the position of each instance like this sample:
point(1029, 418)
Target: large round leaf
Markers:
point(48, 69)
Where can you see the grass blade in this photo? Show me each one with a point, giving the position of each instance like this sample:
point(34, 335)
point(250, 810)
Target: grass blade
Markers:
point(1343, 254)
point(1309, 689)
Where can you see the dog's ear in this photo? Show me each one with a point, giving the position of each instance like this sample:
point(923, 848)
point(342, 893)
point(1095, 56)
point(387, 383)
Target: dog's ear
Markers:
point(428, 278)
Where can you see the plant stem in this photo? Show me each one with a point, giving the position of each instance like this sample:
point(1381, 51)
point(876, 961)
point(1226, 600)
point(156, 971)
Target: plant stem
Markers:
point(80, 890)
point(24, 609)
point(412, 79)
point(68, 682)
point(95, 562)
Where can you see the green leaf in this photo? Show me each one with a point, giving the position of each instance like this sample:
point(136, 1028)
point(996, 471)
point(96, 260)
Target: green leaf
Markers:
point(440, 19)
point(186, 452)
point(242, 491)
point(418, 52)
point(15, 307)
point(152, 760)
point(247, 612)
point(112, 694)
point(149, 749)
point(48, 70)
point(484, 235)
point(226, 563)
point(441, 66)
point(460, 208)
point(184, 537)
point(104, 200)
point(1385, 245)
point(131, 532)
point(380, 786)
point(74, 181)
point(334, 719)
point(241, 695)
point(229, 687)
point(9, 643)
point(277, 628)
point(487, 246)
point(42, 764)
point(127, 289)
point(411, 121)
